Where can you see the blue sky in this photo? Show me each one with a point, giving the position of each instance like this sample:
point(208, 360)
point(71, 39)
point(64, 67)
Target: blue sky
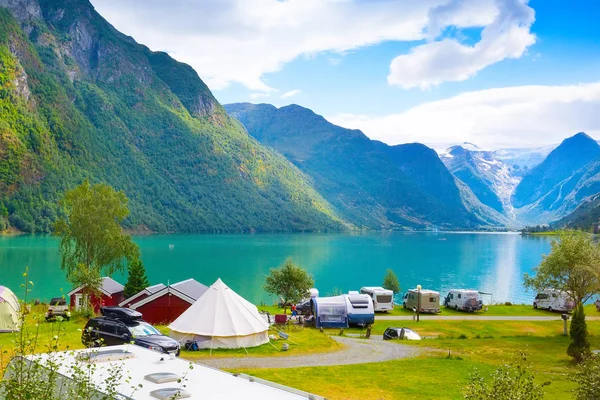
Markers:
point(500, 73)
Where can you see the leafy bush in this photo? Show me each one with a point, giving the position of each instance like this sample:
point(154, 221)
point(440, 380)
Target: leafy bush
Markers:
point(508, 382)
point(588, 379)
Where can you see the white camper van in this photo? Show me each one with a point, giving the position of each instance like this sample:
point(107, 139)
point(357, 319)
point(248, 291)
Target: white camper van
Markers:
point(463, 299)
point(383, 299)
point(553, 300)
point(360, 309)
point(430, 300)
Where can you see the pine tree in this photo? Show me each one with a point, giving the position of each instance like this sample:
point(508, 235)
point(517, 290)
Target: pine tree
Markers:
point(390, 281)
point(137, 279)
point(580, 346)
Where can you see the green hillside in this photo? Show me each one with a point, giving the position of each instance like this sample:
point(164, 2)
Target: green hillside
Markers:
point(79, 99)
point(373, 185)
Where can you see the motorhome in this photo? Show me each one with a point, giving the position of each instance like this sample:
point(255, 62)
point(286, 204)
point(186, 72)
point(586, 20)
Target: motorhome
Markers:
point(463, 299)
point(553, 300)
point(360, 309)
point(429, 303)
point(383, 299)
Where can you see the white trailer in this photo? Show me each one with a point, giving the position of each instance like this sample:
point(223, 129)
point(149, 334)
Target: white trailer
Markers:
point(463, 300)
point(383, 299)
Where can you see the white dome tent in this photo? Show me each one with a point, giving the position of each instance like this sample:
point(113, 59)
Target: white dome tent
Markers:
point(9, 310)
point(221, 318)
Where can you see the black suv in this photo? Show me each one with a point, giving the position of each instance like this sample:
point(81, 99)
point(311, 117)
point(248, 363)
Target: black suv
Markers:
point(123, 325)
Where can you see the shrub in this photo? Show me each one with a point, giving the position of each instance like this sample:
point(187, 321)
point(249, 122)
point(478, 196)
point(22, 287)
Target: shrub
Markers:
point(509, 382)
point(588, 378)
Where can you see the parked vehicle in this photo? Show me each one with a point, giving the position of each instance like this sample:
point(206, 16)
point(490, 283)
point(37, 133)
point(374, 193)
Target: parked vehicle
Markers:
point(123, 325)
point(383, 299)
point(401, 334)
point(597, 303)
point(430, 301)
point(463, 299)
point(554, 300)
point(360, 309)
point(57, 308)
point(303, 308)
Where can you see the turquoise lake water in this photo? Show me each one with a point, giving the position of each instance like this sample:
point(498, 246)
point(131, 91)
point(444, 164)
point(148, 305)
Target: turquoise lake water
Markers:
point(492, 263)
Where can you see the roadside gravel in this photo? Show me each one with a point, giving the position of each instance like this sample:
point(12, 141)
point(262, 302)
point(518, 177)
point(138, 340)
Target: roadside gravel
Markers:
point(355, 351)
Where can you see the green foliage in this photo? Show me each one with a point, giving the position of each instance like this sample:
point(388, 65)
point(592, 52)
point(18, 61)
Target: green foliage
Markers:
point(573, 267)
point(290, 282)
point(579, 348)
point(588, 379)
point(123, 120)
point(390, 281)
point(508, 382)
point(92, 240)
point(137, 279)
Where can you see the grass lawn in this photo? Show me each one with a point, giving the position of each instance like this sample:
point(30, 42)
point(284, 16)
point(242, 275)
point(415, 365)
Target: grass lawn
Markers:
point(473, 344)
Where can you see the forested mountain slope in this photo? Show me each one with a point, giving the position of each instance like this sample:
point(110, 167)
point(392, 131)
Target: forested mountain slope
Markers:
point(79, 99)
point(371, 184)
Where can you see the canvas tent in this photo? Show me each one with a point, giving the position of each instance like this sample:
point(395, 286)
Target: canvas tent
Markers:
point(9, 310)
point(221, 318)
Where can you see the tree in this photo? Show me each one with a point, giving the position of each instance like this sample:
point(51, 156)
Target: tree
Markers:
point(390, 281)
point(92, 239)
point(588, 378)
point(508, 382)
point(136, 280)
point(579, 348)
point(290, 282)
point(573, 267)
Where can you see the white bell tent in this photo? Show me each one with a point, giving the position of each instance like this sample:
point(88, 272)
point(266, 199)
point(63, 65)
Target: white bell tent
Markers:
point(9, 310)
point(221, 318)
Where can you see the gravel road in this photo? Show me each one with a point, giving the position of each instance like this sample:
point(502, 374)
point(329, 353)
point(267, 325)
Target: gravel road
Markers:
point(356, 351)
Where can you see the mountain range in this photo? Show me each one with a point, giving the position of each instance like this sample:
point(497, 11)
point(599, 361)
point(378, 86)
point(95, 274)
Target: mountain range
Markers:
point(78, 99)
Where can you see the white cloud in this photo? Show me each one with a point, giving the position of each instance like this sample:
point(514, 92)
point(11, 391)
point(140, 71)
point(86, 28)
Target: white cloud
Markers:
point(239, 41)
point(291, 93)
point(506, 36)
point(258, 95)
point(521, 116)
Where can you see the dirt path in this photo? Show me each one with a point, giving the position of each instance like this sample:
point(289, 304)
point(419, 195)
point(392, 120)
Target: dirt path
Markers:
point(427, 317)
point(356, 351)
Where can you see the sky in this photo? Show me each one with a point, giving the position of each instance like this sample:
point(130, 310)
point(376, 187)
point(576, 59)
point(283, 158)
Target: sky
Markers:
point(497, 73)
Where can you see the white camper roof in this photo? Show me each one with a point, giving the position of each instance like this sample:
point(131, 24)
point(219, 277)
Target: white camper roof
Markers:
point(463, 291)
point(220, 312)
point(425, 292)
point(201, 382)
point(375, 288)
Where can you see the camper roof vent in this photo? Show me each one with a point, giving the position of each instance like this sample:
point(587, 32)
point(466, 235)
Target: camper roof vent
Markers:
point(94, 356)
point(162, 377)
point(170, 393)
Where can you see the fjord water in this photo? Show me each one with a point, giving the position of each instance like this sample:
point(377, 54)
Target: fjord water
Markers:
point(492, 263)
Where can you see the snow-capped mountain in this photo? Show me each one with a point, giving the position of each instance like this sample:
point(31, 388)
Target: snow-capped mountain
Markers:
point(490, 178)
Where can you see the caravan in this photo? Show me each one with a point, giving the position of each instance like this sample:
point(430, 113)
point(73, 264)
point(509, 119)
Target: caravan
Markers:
point(360, 309)
point(383, 299)
point(553, 300)
point(429, 302)
point(463, 299)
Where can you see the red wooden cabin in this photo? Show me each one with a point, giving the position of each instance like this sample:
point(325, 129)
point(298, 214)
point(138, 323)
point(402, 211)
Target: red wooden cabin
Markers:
point(111, 294)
